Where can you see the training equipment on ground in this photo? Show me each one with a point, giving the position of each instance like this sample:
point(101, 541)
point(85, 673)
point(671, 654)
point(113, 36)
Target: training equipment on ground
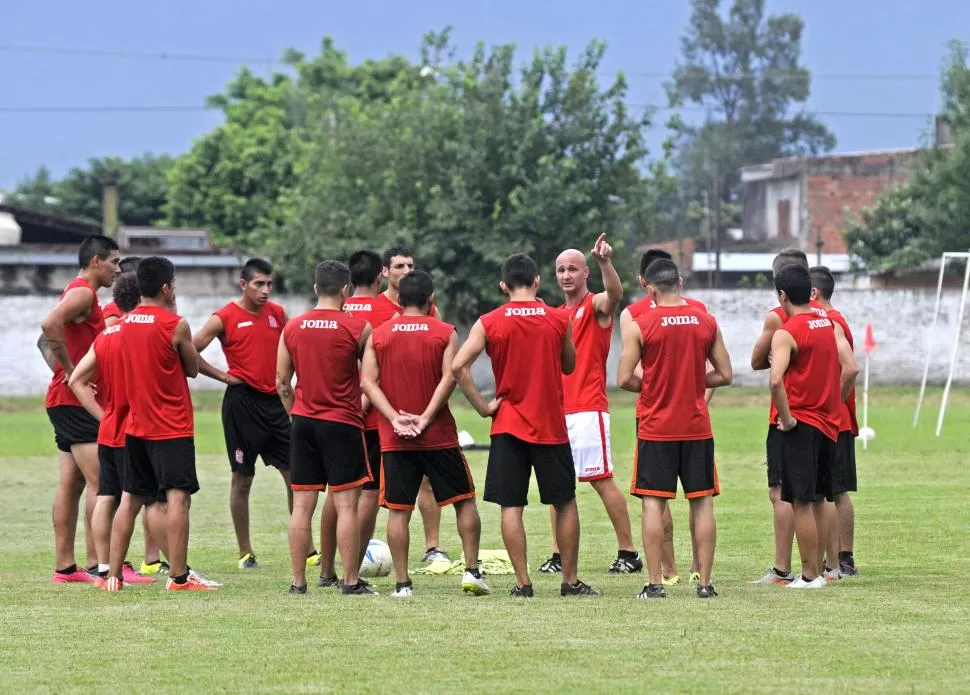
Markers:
point(377, 560)
point(956, 337)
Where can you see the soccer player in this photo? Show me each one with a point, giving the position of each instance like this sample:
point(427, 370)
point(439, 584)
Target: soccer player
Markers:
point(69, 330)
point(398, 262)
point(531, 347)
point(322, 348)
point(104, 360)
point(112, 312)
point(408, 377)
point(586, 404)
point(366, 277)
point(808, 385)
point(253, 418)
point(158, 355)
point(845, 479)
point(674, 342)
point(628, 316)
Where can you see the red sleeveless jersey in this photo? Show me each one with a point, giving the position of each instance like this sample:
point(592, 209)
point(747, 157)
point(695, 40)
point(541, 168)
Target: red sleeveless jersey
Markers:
point(525, 346)
point(159, 403)
point(780, 313)
point(409, 352)
point(111, 311)
point(78, 338)
point(676, 343)
point(585, 389)
point(324, 345)
point(376, 313)
point(111, 387)
point(849, 421)
point(250, 342)
point(812, 379)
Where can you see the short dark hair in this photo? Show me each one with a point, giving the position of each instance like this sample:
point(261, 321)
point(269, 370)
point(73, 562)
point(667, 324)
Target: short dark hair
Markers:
point(416, 289)
point(649, 256)
point(129, 264)
point(396, 250)
point(95, 245)
point(125, 292)
point(823, 281)
point(795, 281)
point(331, 277)
point(663, 274)
point(787, 257)
point(255, 266)
point(519, 271)
point(153, 273)
point(365, 267)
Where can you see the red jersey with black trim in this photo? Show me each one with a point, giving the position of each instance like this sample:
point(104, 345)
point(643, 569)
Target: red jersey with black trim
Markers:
point(812, 378)
point(111, 311)
point(159, 403)
point(850, 422)
point(111, 387)
point(78, 338)
point(525, 345)
point(585, 389)
point(250, 342)
point(647, 303)
point(409, 352)
point(376, 313)
point(676, 343)
point(780, 313)
point(324, 345)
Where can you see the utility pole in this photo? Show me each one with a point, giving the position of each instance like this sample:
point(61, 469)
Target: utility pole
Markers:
point(109, 206)
point(707, 233)
point(717, 227)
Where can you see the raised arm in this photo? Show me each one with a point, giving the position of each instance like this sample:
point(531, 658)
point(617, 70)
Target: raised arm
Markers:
point(284, 374)
point(627, 376)
point(605, 302)
point(850, 368)
point(782, 347)
point(182, 342)
point(721, 373)
point(762, 346)
point(80, 383)
point(74, 306)
point(461, 369)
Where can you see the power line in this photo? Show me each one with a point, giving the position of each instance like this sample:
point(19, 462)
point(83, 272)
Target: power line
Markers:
point(99, 109)
point(107, 53)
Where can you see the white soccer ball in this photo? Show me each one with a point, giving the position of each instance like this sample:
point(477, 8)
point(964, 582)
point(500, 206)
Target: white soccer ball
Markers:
point(465, 439)
point(377, 560)
point(867, 434)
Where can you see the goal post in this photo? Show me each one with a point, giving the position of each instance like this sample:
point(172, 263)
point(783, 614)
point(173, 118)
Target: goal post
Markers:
point(956, 338)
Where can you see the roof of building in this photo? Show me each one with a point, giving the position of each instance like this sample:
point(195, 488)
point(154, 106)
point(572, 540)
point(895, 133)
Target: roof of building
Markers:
point(787, 167)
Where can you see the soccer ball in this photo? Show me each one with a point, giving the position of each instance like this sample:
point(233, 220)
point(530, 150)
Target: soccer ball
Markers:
point(867, 434)
point(377, 560)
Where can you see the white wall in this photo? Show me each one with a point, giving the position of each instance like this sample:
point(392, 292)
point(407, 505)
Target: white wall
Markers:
point(900, 319)
point(777, 191)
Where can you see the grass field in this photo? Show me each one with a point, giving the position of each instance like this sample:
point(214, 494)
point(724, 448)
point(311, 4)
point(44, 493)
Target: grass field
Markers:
point(902, 626)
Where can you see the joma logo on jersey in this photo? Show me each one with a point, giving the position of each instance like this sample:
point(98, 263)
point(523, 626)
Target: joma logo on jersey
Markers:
point(244, 324)
point(819, 311)
point(409, 327)
point(317, 323)
point(679, 321)
point(357, 307)
point(140, 318)
point(112, 329)
point(525, 311)
point(818, 323)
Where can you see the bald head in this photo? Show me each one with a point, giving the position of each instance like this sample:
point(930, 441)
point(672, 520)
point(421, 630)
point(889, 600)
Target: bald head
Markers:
point(574, 256)
point(571, 272)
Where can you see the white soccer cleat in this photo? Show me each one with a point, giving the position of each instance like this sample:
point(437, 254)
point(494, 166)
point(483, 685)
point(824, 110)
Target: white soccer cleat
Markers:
point(403, 591)
point(470, 584)
point(199, 577)
point(800, 583)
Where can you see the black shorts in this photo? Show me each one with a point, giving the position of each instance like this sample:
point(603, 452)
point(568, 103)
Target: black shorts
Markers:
point(658, 464)
point(372, 442)
point(808, 459)
point(773, 455)
point(844, 475)
point(154, 466)
point(510, 464)
point(255, 424)
point(112, 460)
point(324, 453)
point(447, 470)
point(72, 425)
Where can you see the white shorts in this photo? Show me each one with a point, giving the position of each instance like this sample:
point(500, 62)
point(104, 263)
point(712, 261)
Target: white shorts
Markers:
point(589, 439)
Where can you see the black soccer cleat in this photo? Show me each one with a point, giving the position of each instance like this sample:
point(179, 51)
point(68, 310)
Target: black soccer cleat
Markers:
point(361, 588)
point(329, 582)
point(652, 591)
point(626, 565)
point(706, 591)
point(553, 565)
point(577, 589)
point(523, 592)
point(848, 569)
point(294, 589)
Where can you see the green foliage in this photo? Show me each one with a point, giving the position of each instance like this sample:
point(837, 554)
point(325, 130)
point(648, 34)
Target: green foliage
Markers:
point(142, 183)
point(472, 164)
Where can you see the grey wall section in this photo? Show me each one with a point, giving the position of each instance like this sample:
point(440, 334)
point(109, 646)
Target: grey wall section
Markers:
point(900, 319)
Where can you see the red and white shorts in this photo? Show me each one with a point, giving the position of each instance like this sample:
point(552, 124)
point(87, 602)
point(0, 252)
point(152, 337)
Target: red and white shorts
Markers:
point(589, 439)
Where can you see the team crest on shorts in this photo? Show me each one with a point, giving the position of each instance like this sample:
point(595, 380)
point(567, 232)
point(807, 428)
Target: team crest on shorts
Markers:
point(240, 456)
point(272, 322)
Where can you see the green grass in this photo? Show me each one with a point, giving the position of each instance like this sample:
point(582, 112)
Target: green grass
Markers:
point(900, 627)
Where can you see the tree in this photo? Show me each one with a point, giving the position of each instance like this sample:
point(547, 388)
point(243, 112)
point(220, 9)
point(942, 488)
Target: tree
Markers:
point(469, 165)
point(142, 183)
point(744, 71)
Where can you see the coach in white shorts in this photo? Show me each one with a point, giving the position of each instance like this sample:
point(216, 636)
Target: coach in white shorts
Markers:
point(584, 394)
